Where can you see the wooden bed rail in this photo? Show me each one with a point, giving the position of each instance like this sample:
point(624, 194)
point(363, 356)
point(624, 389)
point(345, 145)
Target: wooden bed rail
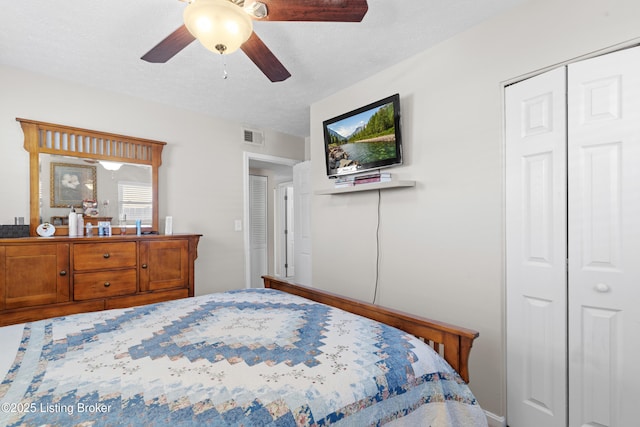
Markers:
point(456, 341)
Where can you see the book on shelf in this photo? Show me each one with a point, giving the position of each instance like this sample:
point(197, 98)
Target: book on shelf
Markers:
point(352, 180)
point(343, 184)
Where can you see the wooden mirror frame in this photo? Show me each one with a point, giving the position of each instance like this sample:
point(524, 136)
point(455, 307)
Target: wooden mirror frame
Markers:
point(48, 138)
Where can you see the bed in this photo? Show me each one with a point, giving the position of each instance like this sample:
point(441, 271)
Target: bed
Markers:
point(285, 355)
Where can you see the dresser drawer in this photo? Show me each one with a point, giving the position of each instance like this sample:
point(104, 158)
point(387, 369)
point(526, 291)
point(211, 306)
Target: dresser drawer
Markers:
point(98, 256)
point(103, 284)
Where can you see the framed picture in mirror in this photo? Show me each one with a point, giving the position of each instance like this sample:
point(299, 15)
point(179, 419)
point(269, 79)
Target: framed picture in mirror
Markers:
point(71, 184)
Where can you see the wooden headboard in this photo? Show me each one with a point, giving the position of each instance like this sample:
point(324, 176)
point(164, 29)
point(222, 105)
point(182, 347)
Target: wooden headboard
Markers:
point(452, 342)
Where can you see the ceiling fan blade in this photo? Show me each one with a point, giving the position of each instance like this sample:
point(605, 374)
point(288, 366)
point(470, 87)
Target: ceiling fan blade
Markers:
point(172, 44)
point(264, 59)
point(315, 10)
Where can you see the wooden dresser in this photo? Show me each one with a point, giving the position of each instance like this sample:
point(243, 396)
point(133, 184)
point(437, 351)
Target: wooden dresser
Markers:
point(44, 277)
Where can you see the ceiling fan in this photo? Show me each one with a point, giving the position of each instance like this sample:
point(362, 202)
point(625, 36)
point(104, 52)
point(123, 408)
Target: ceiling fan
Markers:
point(223, 26)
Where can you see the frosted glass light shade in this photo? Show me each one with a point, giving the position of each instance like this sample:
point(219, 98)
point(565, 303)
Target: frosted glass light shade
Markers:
point(219, 25)
point(110, 166)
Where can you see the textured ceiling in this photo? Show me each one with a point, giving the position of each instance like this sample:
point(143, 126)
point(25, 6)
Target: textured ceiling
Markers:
point(99, 44)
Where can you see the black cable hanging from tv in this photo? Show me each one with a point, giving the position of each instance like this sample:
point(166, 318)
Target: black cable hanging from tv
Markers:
point(377, 280)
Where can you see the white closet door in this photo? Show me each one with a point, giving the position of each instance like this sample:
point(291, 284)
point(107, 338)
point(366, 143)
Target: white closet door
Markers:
point(536, 251)
point(258, 232)
point(604, 243)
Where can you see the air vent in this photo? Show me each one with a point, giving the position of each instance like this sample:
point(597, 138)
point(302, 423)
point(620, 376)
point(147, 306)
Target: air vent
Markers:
point(252, 136)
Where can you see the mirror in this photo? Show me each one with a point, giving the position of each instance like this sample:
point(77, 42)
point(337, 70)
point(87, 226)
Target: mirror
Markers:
point(105, 176)
point(122, 192)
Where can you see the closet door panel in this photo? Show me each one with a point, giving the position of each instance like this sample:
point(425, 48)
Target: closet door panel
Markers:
point(604, 239)
point(536, 251)
point(600, 207)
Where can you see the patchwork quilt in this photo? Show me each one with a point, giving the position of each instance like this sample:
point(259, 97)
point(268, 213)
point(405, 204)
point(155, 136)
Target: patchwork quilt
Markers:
point(255, 357)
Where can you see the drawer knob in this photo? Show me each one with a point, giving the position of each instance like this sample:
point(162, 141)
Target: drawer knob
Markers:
point(107, 284)
point(63, 273)
point(106, 255)
point(144, 265)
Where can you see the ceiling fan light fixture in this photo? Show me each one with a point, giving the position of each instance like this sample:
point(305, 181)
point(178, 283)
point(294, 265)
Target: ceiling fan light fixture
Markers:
point(221, 26)
point(110, 166)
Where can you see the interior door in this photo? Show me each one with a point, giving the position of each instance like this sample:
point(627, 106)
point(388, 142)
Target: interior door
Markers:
point(290, 264)
point(604, 243)
point(302, 220)
point(536, 251)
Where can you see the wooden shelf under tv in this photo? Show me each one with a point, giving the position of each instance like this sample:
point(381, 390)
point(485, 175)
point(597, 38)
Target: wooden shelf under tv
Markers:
point(367, 187)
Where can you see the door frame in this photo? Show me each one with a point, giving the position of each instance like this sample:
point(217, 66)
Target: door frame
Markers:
point(247, 158)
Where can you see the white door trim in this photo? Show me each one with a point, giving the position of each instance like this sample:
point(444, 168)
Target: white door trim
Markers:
point(246, 159)
point(283, 263)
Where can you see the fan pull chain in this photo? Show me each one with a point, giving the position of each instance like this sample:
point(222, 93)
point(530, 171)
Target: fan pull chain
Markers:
point(221, 48)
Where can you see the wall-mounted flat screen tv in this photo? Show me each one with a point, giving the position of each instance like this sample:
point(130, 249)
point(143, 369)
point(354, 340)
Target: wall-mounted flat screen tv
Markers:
point(364, 139)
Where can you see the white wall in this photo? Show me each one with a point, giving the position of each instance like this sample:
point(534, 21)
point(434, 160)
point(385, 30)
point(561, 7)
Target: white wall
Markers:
point(442, 242)
point(201, 183)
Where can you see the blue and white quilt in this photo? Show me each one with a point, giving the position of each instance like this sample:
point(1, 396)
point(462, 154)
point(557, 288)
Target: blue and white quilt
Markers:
point(255, 357)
